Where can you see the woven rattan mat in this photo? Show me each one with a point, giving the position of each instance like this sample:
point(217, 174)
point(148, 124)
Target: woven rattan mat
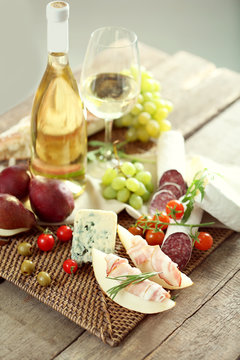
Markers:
point(79, 297)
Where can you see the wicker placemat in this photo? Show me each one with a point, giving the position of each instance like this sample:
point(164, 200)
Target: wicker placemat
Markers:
point(79, 297)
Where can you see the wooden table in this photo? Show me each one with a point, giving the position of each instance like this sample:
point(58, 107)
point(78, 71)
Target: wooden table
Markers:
point(206, 322)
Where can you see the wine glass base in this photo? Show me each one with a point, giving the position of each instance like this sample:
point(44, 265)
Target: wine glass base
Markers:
point(97, 168)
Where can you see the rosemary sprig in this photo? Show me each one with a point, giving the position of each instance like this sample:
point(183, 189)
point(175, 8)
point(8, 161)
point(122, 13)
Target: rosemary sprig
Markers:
point(126, 280)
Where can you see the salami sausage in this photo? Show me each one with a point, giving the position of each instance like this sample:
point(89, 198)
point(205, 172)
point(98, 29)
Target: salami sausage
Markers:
point(160, 200)
point(173, 187)
point(178, 246)
point(177, 243)
point(173, 176)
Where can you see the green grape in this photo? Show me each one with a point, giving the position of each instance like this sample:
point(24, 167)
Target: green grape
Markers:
point(128, 168)
point(126, 120)
point(132, 184)
point(168, 105)
point(149, 107)
point(109, 193)
point(141, 190)
point(165, 125)
point(131, 134)
point(147, 85)
point(160, 103)
point(157, 86)
point(118, 122)
point(135, 201)
point(135, 71)
point(156, 95)
point(108, 176)
point(149, 187)
point(144, 176)
point(145, 74)
point(135, 122)
point(160, 114)
point(146, 196)
point(143, 118)
point(147, 96)
point(140, 99)
point(137, 108)
point(142, 134)
point(118, 183)
point(123, 195)
point(153, 128)
point(138, 166)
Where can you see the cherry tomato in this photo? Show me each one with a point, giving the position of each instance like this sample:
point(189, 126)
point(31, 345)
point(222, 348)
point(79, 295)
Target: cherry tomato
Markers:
point(154, 238)
point(70, 266)
point(64, 233)
point(163, 218)
point(176, 207)
point(135, 230)
point(45, 242)
point(205, 241)
point(142, 220)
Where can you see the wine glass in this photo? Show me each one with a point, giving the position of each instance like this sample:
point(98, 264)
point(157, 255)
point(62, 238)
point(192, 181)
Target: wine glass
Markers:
point(110, 77)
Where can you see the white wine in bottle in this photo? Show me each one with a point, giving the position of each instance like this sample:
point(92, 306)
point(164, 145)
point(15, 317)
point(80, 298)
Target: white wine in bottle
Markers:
point(58, 126)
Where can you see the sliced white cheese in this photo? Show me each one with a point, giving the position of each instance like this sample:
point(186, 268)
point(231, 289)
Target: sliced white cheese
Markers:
point(171, 153)
point(222, 192)
point(93, 229)
point(221, 201)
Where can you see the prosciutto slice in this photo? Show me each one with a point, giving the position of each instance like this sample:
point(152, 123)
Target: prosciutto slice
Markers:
point(141, 252)
point(145, 289)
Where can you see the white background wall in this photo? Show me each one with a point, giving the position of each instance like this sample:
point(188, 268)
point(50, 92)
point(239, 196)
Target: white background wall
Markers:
point(208, 28)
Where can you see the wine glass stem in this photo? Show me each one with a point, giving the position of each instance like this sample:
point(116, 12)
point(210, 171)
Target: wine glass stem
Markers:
point(108, 138)
point(108, 131)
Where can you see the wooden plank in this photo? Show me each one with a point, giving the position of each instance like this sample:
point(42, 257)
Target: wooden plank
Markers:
point(211, 276)
point(29, 328)
point(219, 139)
point(197, 89)
point(204, 332)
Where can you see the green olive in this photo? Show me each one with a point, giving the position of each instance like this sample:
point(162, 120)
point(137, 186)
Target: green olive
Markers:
point(27, 267)
point(25, 249)
point(44, 278)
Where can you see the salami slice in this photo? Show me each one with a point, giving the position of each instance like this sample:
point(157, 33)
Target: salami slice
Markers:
point(178, 246)
point(160, 200)
point(173, 187)
point(173, 176)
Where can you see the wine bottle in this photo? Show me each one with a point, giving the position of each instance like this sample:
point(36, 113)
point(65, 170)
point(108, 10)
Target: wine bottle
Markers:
point(58, 126)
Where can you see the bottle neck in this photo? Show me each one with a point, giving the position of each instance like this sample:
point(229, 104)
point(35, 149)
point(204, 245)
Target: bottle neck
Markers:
point(58, 59)
point(57, 37)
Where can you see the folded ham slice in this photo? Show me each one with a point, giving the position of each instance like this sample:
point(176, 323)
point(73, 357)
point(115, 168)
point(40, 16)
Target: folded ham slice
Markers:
point(146, 289)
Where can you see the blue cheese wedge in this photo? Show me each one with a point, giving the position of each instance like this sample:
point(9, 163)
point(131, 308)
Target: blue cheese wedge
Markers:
point(93, 229)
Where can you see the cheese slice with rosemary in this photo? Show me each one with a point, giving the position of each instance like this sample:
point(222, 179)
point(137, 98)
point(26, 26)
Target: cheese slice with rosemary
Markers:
point(93, 229)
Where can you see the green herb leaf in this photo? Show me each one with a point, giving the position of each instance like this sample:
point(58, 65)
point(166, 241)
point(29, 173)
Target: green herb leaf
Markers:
point(126, 280)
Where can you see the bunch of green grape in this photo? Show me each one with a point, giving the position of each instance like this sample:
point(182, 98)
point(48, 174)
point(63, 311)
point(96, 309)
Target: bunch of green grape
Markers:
point(128, 183)
point(148, 117)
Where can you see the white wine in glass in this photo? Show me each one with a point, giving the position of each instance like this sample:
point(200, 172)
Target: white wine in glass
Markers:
point(110, 78)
